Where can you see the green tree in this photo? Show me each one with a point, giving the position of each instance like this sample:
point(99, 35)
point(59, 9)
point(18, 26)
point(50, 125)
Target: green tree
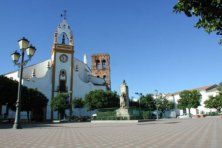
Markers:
point(215, 102)
point(147, 102)
point(78, 102)
point(31, 100)
point(101, 99)
point(208, 12)
point(25, 101)
point(8, 91)
point(59, 103)
point(38, 102)
point(112, 98)
point(163, 104)
point(189, 99)
point(133, 103)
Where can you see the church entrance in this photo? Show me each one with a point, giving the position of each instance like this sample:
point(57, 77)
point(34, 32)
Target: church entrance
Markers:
point(62, 81)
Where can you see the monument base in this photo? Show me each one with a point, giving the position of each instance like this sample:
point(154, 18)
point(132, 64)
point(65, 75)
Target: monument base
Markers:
point(123, 112)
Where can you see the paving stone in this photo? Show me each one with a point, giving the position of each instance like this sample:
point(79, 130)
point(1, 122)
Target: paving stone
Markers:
point(169, 133)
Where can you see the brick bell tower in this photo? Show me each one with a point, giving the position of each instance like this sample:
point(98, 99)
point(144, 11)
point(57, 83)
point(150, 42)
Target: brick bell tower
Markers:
point(101, 67)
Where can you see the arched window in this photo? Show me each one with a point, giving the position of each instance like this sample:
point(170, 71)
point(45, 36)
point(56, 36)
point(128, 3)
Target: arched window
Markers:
point(62, 81)
point(97, 64)
point(104, 64)
point(77, 68)
point(104, 77)
point(63, 39)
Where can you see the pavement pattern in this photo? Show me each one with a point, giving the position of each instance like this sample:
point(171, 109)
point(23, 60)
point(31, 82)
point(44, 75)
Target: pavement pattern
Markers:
point(168, 133)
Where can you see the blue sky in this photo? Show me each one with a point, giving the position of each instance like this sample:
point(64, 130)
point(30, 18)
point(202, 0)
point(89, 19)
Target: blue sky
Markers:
point(150, 46)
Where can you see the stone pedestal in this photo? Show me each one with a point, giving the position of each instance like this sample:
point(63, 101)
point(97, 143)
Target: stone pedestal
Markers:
point(123, 112)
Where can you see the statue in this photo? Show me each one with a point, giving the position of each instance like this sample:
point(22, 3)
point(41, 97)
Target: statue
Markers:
point(123, 100)
point(124, 95)
point(123, 111)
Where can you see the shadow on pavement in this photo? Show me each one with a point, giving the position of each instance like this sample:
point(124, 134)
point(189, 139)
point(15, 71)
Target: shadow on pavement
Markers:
point(171, 122)
point(6, 126)
point(29, 125)
point(147, 123)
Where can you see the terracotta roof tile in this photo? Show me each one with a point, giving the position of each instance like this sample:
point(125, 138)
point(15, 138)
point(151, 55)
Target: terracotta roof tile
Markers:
point(206, 88)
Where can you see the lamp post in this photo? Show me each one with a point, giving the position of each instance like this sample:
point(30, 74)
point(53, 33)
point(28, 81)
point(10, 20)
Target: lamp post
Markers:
point(30, 51)
point(156, 97)
point(140, 95)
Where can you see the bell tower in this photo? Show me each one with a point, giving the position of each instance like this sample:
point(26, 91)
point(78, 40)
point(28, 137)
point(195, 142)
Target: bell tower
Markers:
point(63, 60)
point(101, 67)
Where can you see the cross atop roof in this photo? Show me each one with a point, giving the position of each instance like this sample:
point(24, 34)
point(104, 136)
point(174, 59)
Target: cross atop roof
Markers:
point(64, 14)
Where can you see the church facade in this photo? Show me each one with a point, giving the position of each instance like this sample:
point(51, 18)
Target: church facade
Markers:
point(65, 73)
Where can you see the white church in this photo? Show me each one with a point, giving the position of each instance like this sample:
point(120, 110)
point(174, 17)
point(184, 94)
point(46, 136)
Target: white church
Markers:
point(65, 73)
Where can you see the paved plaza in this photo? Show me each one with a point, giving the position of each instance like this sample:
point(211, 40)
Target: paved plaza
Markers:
point(169, 133)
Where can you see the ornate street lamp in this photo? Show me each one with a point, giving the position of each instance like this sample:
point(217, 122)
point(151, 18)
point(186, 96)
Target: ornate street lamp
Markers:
point(30, 51)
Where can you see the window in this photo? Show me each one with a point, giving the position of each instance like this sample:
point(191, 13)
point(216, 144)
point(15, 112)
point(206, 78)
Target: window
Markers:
point(63, 39)
point(103, 64)
point(97, 64)
point(77, 68)
point(62, 81)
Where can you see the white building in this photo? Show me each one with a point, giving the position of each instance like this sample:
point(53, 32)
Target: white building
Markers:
point(206, 92)
point(62, 72)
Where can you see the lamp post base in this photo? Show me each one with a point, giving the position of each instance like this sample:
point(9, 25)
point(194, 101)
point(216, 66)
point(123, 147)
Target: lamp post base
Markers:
point(17, 126)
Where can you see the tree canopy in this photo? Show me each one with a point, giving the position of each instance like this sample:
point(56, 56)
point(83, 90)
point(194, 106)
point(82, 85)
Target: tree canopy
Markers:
point(209, 13)
point(31, 98)
point(147, 102)
point(133, 103)
point(78, 102)
point(8, 91)
point(37, 99)
point(60, 103)
point(215, 101)
point(189, 99)
point(101, 99)
point(163, 104)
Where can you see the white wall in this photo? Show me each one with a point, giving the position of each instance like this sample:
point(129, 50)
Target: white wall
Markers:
point(43, 85)
point(43, 80)
point(201, 109)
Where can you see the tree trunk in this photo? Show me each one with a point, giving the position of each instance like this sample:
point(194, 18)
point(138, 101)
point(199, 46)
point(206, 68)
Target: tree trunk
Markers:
point(59, 115)
point(0, 109)
point(7, 111)
point(197, 111)
point(189, 112)
point(28, 116)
